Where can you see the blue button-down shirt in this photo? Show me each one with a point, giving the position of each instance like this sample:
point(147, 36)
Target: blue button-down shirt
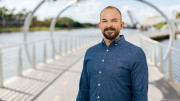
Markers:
point(117, 72)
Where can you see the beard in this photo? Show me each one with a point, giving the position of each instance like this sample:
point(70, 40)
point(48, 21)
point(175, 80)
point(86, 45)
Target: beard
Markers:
point(110, 35)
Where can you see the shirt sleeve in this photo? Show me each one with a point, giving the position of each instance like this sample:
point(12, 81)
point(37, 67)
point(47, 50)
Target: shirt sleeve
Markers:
point(139, 77)
point(83, 94)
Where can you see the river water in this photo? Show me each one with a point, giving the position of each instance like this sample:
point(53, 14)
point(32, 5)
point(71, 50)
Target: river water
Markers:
point(18, 37)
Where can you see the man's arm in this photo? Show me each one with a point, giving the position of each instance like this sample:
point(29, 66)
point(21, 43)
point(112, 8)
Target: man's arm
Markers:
point(83, 94)
point(139, 77)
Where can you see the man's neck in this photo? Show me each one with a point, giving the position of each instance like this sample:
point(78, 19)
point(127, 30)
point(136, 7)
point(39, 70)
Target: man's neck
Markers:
point(108, 42)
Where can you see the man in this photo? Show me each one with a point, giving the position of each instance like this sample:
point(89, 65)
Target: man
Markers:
point(113, 70)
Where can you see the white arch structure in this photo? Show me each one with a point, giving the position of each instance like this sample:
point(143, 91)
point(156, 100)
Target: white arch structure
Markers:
point(30, 16)
point(29, 19)
point(53, 22)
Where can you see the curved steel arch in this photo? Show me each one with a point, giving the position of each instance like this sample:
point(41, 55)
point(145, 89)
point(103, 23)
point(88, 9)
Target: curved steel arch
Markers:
point(27, 23)
point(29, 19)
point(53, 22)
point(171, 30)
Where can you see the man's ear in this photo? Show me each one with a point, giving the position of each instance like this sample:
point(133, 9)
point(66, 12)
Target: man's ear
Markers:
point(99, 24)
point(122, 24)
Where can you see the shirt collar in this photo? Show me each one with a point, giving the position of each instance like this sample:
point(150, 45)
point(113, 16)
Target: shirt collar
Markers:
point(117, 41)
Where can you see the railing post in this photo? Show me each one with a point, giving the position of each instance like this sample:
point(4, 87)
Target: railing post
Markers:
point(170, 67)
point(71, 44)
point(53, 49)
point(60, 47)
point(155, 55)
point(80, 40)
point(34, 56)
point(162, 60)
point(45, 54)
point(1, 72)
point(85, 41)
point(76, 42)
point(20, 67)
point(66, 46)
point(150, 51)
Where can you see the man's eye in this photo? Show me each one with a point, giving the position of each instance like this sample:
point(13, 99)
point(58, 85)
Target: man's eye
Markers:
point(104, 21)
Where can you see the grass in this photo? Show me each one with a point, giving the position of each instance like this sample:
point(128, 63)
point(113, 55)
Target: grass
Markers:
point(160, 25)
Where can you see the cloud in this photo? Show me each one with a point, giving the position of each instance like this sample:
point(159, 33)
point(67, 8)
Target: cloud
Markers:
point(125, 8)
point(171, 11)
point(85, 11)
point(142, 14)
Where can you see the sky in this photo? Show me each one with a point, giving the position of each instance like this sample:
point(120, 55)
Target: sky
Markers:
point(89, 10)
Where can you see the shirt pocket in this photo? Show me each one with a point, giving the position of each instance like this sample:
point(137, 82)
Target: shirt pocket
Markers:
point(119, 69)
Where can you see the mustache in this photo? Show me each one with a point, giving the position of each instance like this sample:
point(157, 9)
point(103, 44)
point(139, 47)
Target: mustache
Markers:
point(109, 28)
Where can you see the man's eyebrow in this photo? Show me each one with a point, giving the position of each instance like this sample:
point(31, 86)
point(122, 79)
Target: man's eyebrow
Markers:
point(114, 19)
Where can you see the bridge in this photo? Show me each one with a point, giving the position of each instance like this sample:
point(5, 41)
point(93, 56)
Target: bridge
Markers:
point(49, 70)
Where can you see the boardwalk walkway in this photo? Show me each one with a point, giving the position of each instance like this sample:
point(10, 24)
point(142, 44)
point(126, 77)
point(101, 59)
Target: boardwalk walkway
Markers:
point(58, 81)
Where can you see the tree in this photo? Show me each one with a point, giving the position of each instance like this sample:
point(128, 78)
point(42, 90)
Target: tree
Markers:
point(3, 12)
point(178, 15)
point(47, 22)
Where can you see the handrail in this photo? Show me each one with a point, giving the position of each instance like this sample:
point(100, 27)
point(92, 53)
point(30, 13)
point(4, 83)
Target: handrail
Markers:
point(154, 52)
point(21, 44)
point(41, 51)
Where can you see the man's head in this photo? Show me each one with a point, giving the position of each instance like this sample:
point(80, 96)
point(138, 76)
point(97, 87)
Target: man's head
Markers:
point(111, 22)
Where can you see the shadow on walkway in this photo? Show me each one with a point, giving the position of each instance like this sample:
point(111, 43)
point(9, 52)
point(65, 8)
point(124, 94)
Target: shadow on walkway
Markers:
point(169, 93)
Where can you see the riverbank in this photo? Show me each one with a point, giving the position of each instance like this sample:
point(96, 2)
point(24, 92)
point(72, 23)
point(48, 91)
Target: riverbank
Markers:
point(39, 29)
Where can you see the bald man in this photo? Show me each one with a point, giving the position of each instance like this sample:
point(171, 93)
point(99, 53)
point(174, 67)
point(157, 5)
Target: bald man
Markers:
point(114, 69)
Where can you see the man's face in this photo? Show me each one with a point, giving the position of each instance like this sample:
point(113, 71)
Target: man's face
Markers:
point(110, 23)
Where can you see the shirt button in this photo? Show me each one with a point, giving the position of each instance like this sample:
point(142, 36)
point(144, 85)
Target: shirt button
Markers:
point(99, 84)
point(102, 60)
point(107, 50)
point(98, 97)
point(99, 72)
point(116, 44)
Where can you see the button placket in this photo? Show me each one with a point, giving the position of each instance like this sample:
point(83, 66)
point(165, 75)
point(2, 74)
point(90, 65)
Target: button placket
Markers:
point(99, 83)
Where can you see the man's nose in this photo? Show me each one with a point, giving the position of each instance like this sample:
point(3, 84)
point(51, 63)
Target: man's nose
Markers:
point(109, 24)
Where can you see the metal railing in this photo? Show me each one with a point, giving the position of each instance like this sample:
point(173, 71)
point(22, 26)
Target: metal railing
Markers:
point(13, 59)
point(155, 51)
